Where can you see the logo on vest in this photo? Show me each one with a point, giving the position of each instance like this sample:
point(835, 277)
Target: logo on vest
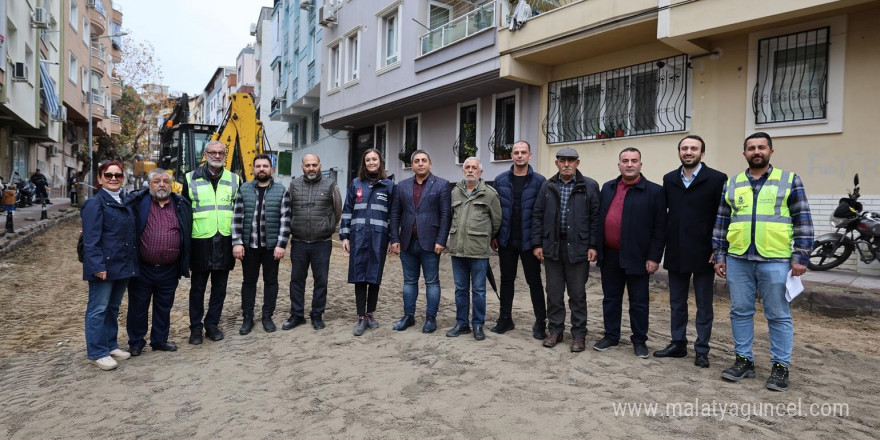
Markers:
point(360, 195)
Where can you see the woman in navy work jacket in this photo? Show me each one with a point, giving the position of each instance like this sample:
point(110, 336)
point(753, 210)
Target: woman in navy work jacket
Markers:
point(109, 261)
point(365, 235)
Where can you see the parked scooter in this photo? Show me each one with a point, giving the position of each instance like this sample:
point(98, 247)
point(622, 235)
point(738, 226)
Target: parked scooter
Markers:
point(860, 231)
point(26, 191)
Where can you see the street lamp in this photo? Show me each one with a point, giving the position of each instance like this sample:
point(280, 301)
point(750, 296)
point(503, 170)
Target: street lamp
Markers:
point(91, 98)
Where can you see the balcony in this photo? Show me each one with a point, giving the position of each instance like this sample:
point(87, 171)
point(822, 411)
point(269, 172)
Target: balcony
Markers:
point(115, 88)
point(479, 19)
point(98, 22)
point(115, 125)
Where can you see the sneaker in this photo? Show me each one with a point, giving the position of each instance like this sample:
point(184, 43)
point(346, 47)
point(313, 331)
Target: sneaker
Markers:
point(604, 344)
point(120, 355)
point(778, 380)
point(371, 322)
point(361, 326)
point(106, 363)
point(641, 350)
point(741, 369)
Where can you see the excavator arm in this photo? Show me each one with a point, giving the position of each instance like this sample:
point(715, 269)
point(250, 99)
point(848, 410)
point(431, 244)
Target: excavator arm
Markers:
point(242, 133)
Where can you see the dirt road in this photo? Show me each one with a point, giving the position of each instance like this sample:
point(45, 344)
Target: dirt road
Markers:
point(386, 384)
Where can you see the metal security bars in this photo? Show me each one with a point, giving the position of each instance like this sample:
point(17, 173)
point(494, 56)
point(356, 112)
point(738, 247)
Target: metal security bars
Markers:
point(792, 80)
point(645, 98)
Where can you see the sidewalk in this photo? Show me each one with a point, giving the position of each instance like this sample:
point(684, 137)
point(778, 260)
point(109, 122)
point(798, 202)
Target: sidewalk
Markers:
point(27, 224)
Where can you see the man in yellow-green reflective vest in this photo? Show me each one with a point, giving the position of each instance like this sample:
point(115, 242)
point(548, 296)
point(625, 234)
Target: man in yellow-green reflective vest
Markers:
point(211, 189)
point(763, 214)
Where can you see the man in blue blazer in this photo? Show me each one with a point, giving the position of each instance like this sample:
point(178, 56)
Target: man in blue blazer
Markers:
point(419, 221)
point(633, 229)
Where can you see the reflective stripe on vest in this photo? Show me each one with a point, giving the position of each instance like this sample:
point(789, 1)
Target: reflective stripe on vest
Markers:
point(212, 210)
point(771, 220)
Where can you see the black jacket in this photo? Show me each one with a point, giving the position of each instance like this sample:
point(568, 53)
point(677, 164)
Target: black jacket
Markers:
point(141, 202)
point(643, 226)
point(582, 219)
point(690, 219)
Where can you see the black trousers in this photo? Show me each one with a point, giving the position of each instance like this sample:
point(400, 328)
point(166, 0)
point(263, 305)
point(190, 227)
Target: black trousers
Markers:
point(198, 283)
point(304, 255)
point(678, 303)
point(156, 283)
point(614, 280)
point(508, 257)
point(366, 295)
point(564, 275)
point(254, 259)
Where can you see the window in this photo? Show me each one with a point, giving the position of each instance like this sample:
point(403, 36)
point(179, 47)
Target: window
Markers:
point(86, 33)
point(316, 127)
point(381, 139)
point(295, 130)
point(389, 36)
point(505, 131)
point(439, 14)
point(410, 139)
point(352, 56)
point(302, 131)
point(466, 144)
point(795, 78)
point(334, 67)
point(74, 14)
point(645, 98)
point(97, 89)
point(84, 72)
point(792, 77)
point(73, 69)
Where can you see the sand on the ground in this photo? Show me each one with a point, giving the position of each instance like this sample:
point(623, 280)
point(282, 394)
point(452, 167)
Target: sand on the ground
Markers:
point(387, 384)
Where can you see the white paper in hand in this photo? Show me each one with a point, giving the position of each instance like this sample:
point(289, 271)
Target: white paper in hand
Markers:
point(793, 287)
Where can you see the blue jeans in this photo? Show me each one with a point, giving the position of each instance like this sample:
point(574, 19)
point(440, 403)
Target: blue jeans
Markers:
point(468, 273)
point(102, 313)
point(412, 259)
point(744, 279)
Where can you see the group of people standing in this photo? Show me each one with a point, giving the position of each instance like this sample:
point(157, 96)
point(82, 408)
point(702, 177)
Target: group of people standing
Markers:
point(751, 229)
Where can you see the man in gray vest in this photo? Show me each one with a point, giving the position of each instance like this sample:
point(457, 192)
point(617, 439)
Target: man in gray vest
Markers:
point(260, 231)
point(316, 207)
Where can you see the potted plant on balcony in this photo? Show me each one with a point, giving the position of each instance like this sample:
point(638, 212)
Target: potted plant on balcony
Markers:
point(502, 151)
point(619, 132)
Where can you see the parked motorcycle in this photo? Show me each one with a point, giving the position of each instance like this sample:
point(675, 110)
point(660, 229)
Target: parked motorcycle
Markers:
point(856, 230)
point(26, 191)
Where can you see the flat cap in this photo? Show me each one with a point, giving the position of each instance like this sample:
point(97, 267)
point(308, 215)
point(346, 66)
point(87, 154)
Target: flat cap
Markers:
point(568, 153)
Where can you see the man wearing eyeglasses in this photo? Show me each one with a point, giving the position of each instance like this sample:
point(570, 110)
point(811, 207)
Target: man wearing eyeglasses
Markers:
point(211, 189)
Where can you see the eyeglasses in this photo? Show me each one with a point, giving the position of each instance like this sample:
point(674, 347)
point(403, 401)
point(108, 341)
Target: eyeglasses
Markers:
point(216, 153)
point(111, 176)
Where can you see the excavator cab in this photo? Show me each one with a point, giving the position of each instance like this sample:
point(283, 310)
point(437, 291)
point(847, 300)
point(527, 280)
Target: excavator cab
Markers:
point(183, 150)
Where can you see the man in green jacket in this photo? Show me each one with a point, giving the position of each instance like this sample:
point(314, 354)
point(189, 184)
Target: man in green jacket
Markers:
point(476, 218)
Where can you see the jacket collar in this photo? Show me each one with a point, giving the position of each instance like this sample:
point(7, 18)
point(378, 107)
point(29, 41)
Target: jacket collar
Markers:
point(578, 177)
point(642, 184)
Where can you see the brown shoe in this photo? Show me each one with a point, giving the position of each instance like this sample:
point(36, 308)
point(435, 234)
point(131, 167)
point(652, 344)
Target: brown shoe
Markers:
point(551, 340)
point(578, 345)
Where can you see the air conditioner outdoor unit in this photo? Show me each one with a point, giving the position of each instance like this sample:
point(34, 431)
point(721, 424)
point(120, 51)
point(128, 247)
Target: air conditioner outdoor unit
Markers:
point(326, 18)
point(52, 150)
point(20, 72)
point(61, 115)
point(41, 18)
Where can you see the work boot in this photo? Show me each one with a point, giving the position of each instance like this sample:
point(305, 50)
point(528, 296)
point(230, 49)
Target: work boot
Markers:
point(246, 325)
point(430, 324)
point(740, 370)
point(361, 326)
point(195, 336)
point(778, 380)
point(405, 322)
point(539, 330)
point(268, 324)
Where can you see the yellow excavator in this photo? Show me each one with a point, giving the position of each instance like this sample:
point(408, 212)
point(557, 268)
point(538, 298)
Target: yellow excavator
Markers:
point(183, 143)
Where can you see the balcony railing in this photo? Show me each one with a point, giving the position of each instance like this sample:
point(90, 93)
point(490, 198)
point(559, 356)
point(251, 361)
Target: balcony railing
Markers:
point(115, 119)
point(462, 27)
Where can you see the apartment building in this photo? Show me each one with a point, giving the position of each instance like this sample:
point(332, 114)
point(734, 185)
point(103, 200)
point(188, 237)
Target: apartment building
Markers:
point(265, 86)
point(645, 73)
point(31, 118)
point(423, 74)
point(216, 93)
point(296, 62)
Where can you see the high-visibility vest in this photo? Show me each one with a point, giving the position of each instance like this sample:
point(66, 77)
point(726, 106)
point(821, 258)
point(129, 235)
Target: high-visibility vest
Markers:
point(212, 210)
point(767, 214)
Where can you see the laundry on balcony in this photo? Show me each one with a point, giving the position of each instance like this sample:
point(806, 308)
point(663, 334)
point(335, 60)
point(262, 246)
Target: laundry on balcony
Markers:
point(521, 14)
point(48, 90)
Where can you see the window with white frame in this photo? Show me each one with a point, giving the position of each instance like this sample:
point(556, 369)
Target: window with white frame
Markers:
point(506, 126)
point(86, 34)
point(647, 98)
point(466, 142)
point(74, 15)
point(84, 72)
point(352, 55)
point(73, 69)
point(795, 78)
point(334, 67)
point(389, 36)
